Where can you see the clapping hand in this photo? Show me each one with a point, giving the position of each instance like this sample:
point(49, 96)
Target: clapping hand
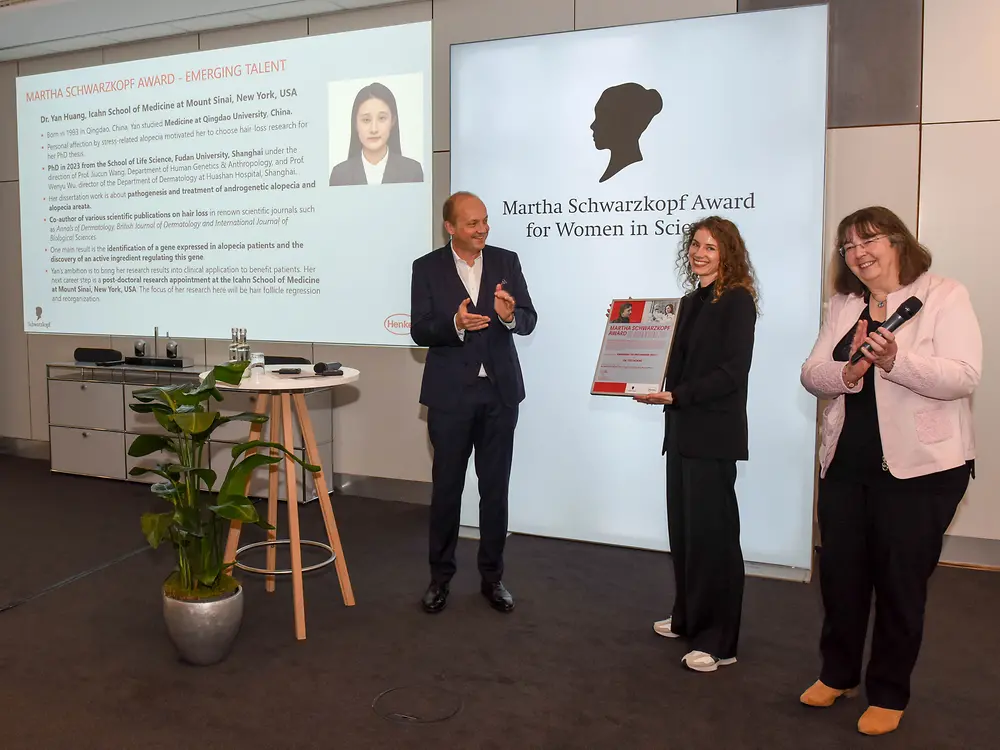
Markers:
point(854, 372)
point(503, 303)
point(466, 321)
point(883, 349)
point(882, 352)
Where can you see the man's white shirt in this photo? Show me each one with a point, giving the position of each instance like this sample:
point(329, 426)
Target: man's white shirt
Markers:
point(472, 277)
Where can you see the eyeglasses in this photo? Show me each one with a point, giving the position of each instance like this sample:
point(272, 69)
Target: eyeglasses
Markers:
point(845, 249)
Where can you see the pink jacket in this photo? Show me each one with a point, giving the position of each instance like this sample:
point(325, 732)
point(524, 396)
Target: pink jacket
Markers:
point(924, 402)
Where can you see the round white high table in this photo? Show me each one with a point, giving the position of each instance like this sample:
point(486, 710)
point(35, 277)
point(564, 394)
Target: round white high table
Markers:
point(282, 394)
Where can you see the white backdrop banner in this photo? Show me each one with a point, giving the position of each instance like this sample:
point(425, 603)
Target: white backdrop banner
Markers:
point(592, 151)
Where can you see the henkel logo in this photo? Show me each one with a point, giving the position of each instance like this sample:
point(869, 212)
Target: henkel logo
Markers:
point(398, 323)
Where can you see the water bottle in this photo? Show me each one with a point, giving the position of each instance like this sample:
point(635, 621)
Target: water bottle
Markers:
point(234, 352)
point(244, 347)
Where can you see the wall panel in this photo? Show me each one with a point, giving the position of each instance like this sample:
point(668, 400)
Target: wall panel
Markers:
point(370, 18)
point(961, 60)
point(380, 429)
point(68, 61)
point(875, 58)
point(145, 50)
point(8, 122)
point(871, 167)
point(458, 21)
point(15, 411)
point(959, 196)
point(592, 14)
point(272, 31)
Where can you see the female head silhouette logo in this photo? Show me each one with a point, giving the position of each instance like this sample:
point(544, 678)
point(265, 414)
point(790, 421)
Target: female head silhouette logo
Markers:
point(621, 116)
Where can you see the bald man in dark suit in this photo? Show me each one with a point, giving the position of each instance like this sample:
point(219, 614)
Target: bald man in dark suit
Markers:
point(468, 301)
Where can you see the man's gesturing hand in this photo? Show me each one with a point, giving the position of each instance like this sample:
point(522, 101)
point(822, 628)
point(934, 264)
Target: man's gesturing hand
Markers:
point(503, 303)
point(466, 321)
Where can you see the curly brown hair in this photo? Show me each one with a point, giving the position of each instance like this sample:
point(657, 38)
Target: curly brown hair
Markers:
point(735, 268)
point(914, 258)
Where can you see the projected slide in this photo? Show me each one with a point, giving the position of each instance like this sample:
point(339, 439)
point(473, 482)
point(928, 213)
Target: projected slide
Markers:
point(593, 150)
point(281, 187)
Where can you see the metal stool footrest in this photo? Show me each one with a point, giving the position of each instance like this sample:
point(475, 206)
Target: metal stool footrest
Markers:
point(272, 542)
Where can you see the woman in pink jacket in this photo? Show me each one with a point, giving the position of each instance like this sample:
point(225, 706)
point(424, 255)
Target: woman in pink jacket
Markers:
point(895, 457)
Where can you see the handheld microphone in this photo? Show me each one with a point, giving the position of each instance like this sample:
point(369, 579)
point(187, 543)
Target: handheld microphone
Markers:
point(903, 313)
point(320, 367)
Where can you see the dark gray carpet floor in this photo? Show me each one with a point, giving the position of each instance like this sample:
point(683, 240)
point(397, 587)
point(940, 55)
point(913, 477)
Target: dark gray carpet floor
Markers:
point(87, 664)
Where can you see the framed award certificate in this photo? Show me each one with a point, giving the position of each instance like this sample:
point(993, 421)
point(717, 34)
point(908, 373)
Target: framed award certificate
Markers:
point(636, 347)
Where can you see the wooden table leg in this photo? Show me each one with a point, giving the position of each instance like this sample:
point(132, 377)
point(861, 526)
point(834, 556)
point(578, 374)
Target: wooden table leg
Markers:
point(294, 538)
point(233, 541)
point(272, 493)
point(312, 456)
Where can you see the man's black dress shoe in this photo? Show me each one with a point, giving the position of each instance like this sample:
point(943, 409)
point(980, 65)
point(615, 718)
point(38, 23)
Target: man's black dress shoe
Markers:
point(435, 598)
point(498, 596)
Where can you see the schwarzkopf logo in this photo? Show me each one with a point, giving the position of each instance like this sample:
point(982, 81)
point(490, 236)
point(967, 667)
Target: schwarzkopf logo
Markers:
point(621, 116)
point(37, 322)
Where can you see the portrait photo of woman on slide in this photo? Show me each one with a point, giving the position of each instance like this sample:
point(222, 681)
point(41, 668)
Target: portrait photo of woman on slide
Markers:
point(375, 156)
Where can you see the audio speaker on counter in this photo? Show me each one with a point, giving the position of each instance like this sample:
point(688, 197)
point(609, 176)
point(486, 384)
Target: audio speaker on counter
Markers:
point(98, 356)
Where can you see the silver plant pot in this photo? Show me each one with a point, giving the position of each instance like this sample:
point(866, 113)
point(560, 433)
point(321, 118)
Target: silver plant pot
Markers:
point(204, 632)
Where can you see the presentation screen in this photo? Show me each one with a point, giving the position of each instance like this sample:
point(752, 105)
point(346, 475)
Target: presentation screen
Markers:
point(282, 187)
point(593, 150)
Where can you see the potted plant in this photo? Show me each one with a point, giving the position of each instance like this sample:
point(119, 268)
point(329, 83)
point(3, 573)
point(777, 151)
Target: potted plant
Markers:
point(202, 602)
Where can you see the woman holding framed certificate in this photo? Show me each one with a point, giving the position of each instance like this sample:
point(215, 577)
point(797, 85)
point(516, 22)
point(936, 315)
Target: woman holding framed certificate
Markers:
point(705, 402)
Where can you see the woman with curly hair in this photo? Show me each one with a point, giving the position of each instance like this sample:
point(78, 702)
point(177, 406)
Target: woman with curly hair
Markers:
point(705, 402)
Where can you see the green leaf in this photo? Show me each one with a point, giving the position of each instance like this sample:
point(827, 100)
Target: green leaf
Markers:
point(243, 447)
point(138, 471)
point(230, 373)
point(245, 416)
point(174, 471)
point(179, 470)
point(143, 445)
point(238, 474)
point(236, 508)
point(156, 527)
point(188, 522)
point(149, 408)
point(194, 398)
point(208, 476)
point(209, 576)
point(204, 389)
point(166, 489)
point(208, 383)
point(161, 395)
point(166, 421)
point(195, 423)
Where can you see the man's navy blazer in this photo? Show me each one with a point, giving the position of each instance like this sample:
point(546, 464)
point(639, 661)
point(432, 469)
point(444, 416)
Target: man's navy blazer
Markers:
point(453, 363)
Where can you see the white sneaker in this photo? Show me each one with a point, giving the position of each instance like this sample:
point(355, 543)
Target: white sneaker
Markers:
point(662, 627)
point(699, 661)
